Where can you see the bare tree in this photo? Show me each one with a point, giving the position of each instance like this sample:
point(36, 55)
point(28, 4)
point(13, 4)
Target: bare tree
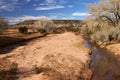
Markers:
point(106, 10)
point(3, 23)
point(44, 23)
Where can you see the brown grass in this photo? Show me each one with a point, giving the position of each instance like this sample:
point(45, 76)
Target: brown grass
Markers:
point(63, 67)
point(8, 70)
point(11, 36)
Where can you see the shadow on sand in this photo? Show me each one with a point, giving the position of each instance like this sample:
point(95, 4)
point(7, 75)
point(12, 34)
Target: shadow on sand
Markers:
point(8, 43)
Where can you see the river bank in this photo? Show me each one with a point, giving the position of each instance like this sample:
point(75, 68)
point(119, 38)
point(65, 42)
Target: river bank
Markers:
point(115, 49)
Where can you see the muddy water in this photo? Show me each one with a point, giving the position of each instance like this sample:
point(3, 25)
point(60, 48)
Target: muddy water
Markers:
point(105, 65)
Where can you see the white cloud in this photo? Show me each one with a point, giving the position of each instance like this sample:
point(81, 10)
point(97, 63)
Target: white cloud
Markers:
point(49, 7)
point(56, 1)
point(63, 16)
point(8, 5)
point(15, 20)
point(68, 18)
point(80, 14)
point(51, 4)
point(49, 1)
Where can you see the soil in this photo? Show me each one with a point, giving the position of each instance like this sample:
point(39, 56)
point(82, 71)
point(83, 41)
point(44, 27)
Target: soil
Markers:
point(54, 57)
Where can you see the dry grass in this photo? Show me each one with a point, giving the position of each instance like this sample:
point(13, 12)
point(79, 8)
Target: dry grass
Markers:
point(60, 66)
point(14, 33)
point(11, 36)
point(8, 70)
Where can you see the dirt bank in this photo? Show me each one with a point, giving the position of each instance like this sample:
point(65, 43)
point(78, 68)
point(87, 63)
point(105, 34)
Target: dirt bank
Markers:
point(115, 48)
point(55, 57)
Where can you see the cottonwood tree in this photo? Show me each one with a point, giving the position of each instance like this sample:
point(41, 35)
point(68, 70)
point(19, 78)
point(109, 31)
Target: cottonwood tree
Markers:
point(106, 10)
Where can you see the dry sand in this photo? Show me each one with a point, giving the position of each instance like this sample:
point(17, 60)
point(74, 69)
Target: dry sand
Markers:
point(54, 57)
point(115, 49)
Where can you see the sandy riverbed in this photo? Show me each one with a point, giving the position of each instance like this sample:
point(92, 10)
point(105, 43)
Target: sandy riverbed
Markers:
point(54, 57)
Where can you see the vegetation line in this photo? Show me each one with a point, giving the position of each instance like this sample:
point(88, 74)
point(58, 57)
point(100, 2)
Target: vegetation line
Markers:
point(21, 41)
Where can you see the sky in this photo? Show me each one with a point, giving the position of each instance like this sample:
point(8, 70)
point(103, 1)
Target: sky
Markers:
point(16, 11)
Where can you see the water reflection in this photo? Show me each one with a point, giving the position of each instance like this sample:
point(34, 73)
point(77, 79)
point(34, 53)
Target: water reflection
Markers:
point(105, 65)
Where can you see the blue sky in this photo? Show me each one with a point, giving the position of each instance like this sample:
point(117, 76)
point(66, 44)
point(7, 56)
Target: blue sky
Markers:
point(16, 11)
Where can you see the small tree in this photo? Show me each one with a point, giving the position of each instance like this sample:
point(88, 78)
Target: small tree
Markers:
point(106, 10)
point(3, 22)
point(23, 29)
point(103, 25)
point(45, 24)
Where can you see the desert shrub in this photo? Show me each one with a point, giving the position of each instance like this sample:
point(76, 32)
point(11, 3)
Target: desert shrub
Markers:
point(23, 29)
point(3, 23)
point(101, 25)
point(106, 34)
point(90, 27)
point(100, 36)
point(41, 30)
point(72, 29)
point(46, 24)
point(85, 30)
point(65, 29)
point(118, 37)
point(116, 33)
point(60, 30)
point(100, 32)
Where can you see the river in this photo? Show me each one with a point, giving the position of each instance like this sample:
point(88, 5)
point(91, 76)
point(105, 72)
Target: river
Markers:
point(104, 65)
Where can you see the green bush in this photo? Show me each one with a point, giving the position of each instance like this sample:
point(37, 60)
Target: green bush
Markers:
point(23, 29)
